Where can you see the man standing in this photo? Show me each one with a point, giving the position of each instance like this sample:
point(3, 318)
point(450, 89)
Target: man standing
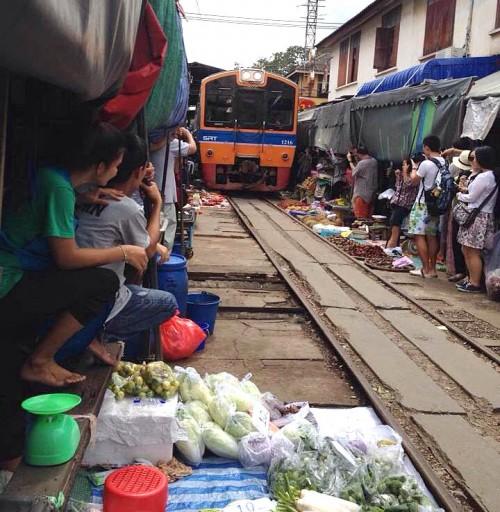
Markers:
point(365, 182)
point(180, 144)
point(423, 225)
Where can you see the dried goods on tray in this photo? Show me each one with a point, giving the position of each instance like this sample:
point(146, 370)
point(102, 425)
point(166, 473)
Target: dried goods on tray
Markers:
point(361, 251)
point(386, 263)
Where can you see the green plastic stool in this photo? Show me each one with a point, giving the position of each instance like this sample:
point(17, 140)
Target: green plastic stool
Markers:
point(53, 438)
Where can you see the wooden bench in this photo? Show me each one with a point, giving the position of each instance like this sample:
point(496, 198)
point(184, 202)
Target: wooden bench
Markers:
point(35, 489)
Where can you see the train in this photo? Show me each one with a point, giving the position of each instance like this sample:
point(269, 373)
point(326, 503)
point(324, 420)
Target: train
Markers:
point(247, 130)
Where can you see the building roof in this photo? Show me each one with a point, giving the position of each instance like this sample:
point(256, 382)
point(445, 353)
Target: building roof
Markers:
point(319, 70)
point(368, 12)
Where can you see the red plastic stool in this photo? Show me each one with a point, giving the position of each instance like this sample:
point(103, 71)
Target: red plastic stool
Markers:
point(136, 489)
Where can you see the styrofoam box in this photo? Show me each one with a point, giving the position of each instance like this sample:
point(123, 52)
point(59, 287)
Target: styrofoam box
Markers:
point(133, 429)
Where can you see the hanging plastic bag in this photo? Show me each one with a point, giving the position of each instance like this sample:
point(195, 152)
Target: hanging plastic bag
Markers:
point(180, 337)
point(492, 269)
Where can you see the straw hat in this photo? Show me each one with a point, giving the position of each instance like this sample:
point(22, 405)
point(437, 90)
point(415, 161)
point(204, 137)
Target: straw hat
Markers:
point(462, 161)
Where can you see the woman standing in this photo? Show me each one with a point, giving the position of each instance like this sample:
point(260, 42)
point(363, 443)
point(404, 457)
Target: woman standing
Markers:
point(480, 197)
point(402, 201)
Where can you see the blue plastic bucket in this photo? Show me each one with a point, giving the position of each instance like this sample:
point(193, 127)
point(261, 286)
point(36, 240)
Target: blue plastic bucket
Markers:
point(202, 308)
point(173, 278)
point(206, 328)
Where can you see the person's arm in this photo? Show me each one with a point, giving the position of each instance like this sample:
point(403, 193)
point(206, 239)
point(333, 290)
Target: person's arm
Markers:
point(475, 191)
point(153, 226)
point(415, 177)
point(189, 139)
point(68, 256)
point(59, 229)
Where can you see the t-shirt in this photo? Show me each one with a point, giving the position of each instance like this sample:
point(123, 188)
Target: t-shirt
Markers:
point(478, 190)
point(158, 160)
point(428, 172)
point(48, 213)
point(117, 223)
point(365, 179)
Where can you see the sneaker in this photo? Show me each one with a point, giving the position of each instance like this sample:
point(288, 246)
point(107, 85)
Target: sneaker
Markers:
point(468, 288)
point(464, 281)
point(456, 278)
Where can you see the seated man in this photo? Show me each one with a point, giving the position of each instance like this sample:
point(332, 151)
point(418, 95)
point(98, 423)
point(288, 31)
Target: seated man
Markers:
point(120, 223)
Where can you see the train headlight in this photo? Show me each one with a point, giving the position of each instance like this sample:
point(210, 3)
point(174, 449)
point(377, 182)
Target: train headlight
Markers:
point(258, 76)
point(210, 152)
point(254, 76)
point(246, 75)
point(284, 156)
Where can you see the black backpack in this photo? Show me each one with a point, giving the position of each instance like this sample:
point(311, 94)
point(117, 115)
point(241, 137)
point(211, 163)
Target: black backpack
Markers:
point(438, 199)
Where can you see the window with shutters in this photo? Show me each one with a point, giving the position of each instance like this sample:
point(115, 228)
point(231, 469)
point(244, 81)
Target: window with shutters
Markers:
point(343, 59)
point(439, 25)
point(387, 39)
point(354, 57)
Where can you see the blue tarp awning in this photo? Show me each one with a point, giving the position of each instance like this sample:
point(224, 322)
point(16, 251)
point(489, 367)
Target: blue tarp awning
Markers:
point(434, 69)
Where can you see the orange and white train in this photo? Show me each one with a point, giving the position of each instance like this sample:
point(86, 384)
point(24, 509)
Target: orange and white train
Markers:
point(247, 130)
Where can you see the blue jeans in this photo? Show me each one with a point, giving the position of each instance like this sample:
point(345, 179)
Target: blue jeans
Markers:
point(146, 309)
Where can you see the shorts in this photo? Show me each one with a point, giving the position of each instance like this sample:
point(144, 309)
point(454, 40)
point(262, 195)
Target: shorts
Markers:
point(362, 209)
point(421, 223)
point(398, 215)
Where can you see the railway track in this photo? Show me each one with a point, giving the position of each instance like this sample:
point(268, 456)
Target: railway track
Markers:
point(348, 308)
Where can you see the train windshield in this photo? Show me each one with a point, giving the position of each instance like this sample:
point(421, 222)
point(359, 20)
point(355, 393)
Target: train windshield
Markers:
point(249, 108)
point(219, 102)
point(280, 106)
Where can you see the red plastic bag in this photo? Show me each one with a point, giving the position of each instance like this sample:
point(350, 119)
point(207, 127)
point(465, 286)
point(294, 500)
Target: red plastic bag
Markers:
point(180, 337)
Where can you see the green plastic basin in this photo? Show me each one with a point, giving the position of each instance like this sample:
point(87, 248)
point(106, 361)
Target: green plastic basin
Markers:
point(54, 403)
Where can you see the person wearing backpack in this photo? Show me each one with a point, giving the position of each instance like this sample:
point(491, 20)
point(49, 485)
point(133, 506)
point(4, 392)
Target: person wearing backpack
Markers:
point(424, 215)
point(478, 223)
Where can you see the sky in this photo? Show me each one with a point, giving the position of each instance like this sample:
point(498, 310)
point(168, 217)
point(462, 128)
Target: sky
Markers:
point(221, 44)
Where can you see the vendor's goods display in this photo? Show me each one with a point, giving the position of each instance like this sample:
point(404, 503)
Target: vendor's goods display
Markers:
point(357, 250)
point(143, 380)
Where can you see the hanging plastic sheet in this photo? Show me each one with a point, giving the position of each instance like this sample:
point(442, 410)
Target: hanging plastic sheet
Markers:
point(166, 106)
point(333, 127)
point(479, 117)
point(85, 47)
point(149, 54)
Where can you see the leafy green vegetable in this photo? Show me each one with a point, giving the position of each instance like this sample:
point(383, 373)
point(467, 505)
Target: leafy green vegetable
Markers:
point(219, 442)
point(240, 424)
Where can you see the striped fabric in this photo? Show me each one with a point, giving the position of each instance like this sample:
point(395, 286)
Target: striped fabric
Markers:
point(215, 483)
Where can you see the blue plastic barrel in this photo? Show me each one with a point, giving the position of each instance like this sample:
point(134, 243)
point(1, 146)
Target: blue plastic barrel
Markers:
point(177, 248)
point(173, 278)
point(202, 308)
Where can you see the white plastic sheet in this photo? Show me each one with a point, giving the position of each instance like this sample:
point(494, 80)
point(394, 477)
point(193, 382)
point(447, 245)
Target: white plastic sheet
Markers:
point(480, 116)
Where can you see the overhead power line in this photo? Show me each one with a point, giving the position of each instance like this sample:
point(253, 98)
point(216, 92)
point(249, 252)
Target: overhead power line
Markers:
point(269, 22)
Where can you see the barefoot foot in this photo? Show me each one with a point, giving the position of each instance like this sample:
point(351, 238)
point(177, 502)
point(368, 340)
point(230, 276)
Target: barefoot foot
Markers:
point(99, 350)
point(48, 372)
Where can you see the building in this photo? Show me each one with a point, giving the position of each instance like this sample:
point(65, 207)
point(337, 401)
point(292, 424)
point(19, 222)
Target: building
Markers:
point(391, 35)
point(313, 90)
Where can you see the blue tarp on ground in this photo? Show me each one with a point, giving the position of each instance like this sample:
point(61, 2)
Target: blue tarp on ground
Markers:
point(215, 483)
point(434, 69)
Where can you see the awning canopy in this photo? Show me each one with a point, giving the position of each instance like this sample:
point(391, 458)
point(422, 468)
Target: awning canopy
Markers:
point(85, 47)
point(487, 86)
point(434, 69)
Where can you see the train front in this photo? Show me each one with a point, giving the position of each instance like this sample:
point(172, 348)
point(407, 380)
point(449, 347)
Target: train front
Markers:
point(247, 134)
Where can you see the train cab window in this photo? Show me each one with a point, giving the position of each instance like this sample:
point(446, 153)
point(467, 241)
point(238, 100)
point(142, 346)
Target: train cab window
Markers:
point(249, 108)
point(219, 109)
point(280, 106)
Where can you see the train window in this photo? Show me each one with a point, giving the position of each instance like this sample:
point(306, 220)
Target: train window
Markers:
point(280, 106)
point(219, 103)
point(249, 108)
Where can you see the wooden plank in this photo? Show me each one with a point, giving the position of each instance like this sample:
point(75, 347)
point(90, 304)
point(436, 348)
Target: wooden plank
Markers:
point(30, 484)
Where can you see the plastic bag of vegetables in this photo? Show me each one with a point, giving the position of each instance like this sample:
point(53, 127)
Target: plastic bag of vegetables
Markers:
point(221, 409)
point(214, 380)
point(192, 447)
point(302, 433)
point(199, 411)
point(192, 386)
point(255, 450)
point(219, 442)
point(240, 424)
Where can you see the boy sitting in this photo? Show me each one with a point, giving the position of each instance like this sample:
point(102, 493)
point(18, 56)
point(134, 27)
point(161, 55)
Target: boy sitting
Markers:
point(122, 222)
